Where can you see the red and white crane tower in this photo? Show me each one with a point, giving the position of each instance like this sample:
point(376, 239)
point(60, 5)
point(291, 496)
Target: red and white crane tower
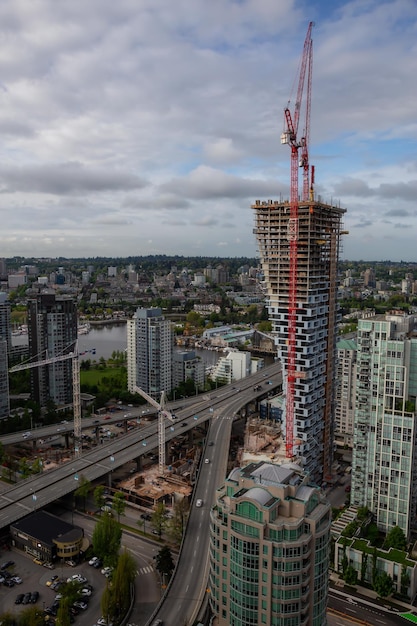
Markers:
point(299, 159)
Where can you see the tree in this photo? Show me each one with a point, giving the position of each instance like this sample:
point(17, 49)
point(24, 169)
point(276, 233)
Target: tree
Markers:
point(106, 539)
point(395, 539)
point(119, 503)
point(122, 579)
point(179, 521)
point(350, 576)
point(159, 519)
point(84, 487)
point(98, 496)
point(383, 584)
point(164, 562)
point(63, 615)
point(29, 617)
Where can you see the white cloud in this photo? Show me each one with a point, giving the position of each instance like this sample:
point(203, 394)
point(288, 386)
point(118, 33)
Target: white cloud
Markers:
point(159, 119)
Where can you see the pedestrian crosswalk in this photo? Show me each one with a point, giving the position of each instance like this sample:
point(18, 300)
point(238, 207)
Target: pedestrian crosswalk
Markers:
point(145, 570)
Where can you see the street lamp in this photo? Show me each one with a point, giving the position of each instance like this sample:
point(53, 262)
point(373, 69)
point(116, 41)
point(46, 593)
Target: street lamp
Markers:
point(34, 498)
point(111, 469)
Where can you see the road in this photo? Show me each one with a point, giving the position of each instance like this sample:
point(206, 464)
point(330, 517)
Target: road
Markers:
point(187, 589)
point(40, 490)
point(344, 606)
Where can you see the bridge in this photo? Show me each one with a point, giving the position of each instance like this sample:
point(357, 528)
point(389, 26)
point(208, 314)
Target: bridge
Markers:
point(42, 489)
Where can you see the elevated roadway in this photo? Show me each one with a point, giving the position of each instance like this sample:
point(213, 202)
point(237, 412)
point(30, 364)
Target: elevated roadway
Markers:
point(40, 490)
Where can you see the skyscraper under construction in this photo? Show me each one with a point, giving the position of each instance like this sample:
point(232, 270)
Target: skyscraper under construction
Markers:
point(308, 423)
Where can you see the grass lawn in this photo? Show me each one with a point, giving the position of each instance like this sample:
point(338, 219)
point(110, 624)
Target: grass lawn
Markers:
point(94, 376)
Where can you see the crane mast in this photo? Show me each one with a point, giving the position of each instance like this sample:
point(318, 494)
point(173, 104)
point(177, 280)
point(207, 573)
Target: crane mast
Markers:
point(162, 414)
point(76, 399)
point(299, 158)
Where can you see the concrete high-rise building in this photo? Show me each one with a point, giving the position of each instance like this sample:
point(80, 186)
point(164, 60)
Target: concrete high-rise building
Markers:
point(187, 366)
point(5, 350)
point(384, 476)
point(4, 380)
point(318, 237)
point(345, 391)
point(52, 329)
point(149, 352)
point(269, 548)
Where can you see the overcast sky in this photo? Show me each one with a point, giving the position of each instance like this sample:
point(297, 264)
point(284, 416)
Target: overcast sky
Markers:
point(134, 127)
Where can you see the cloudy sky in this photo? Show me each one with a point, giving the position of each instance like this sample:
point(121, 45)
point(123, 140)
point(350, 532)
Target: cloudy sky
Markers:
point(136, 127)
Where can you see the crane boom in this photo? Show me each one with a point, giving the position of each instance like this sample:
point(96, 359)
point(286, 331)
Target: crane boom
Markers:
point(76, 397)
point(289, 136)
point(162, 413)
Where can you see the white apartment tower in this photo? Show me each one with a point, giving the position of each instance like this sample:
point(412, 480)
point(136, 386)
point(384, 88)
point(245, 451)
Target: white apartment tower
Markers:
point(384, 476)
point(318, 235)
point(149, 352)
point(345, 391)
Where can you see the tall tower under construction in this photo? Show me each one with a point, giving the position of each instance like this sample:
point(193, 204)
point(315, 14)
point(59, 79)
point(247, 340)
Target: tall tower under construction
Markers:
point(319, 227)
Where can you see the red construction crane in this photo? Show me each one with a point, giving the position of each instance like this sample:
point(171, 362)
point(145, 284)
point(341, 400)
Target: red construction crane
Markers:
point(299, 158)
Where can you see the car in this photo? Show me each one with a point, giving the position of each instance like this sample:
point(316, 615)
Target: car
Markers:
point(2, 579)
point(34, 597)
point(85, 593)
point(71, 563)
point(211, 443)
point(6, 564)
point(19, 598)
point(183, 423)
point(102, 621)
point(348, 488)
point(158, 622)
point(38, 561)
point(106, 508)
point(81, 604)
point(8, 582)
point(51, 580)
point(26, 598)
point(98, 564)
point(199, 502)
point(49, 565)
point(93, 560)
point(17, 580)
point(206, 460)
point(96, 422)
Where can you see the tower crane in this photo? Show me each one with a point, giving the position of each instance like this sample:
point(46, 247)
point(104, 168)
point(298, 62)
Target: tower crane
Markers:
point(76, 398)
point(299, 158)
point(162, 414)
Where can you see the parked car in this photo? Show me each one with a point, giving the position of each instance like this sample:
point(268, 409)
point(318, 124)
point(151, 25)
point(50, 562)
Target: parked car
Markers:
point(51, 581)
point(93, 560)
point(34, 597)
point(26, 598)
point(106, 570)
point(81, 604)
point(6, 564)
point(17, 580)
point(19, 598)
point(199, 502)
point(8, 582)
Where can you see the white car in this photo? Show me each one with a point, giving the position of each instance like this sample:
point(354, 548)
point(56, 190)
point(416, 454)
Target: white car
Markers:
point(85, 593)
point(106, 570)
point(206, 460)
point(93, 560)
point(199, 502)
point(103, 622)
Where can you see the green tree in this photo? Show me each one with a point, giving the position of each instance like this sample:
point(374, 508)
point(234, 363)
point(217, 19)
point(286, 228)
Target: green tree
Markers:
point(106, 539)
point(24, 467)
point(84, 488)
point(98, 496)
point(350, 576)
point(122, 579)
point(119, 503)
point(159, 519)
point(63, 615)
point(178, 523)
point(265, 326)
point(395, 539)
point(30, 617)
point(164, 562)
point(383, 584)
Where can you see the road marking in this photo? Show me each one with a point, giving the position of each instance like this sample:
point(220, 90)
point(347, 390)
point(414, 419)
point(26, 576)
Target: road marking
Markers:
point(146, 570)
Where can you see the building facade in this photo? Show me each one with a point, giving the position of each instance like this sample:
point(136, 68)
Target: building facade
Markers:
point(318, 235)
point(269, 548)
point(149, 352)
point(345, 392)
point(187, 366)
point(384, 477)
point(52, 330)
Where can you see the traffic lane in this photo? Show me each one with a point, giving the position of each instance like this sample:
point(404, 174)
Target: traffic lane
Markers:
point(359, 608)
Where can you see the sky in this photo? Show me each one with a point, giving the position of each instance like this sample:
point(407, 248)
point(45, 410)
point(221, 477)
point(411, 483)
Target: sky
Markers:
point(143, 127)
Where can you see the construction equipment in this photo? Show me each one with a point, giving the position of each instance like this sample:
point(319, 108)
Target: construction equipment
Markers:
point(290, 137)
point(162, 414)
point(76, 399)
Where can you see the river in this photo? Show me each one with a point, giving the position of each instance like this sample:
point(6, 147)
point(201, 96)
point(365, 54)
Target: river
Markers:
point(108, 338)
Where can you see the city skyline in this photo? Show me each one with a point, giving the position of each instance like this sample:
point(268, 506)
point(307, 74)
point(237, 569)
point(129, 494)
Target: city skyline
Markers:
point(151, 129)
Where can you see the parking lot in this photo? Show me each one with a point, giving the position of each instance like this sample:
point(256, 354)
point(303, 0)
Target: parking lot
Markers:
point(34, 578)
